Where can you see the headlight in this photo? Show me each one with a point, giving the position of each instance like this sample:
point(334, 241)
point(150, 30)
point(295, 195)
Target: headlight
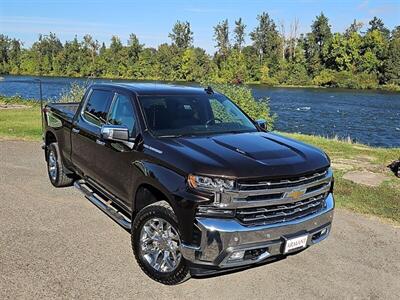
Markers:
point(210, 184)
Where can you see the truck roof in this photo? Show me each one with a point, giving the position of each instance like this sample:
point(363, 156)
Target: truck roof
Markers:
point(155, 88)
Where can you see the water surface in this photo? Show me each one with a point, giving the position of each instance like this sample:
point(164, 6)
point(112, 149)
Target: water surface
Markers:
point(368, 117)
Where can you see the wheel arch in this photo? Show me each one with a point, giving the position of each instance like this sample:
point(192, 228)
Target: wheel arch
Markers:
point(50, 137)
point(147, 194)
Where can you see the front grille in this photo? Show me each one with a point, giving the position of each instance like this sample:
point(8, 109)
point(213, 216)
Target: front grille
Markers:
point(251, 185)
point(281, 212)
point(269, 201)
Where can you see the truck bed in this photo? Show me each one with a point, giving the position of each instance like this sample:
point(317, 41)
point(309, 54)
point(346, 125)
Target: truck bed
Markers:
point(66, 110)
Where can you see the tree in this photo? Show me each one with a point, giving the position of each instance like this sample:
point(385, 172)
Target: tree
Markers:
point(314, 43)
point(146, 65)
point(74, 63)
point(377, 24)
point(133, 51)
point(134, 47)
point(349, 59)
point(15, 56)
point(373, 53)
point(314, 65)
point(168, 62)
point(92, 46)
point(116, 58)
point(396, 32)
point(266, 39)
point(293, 40)
point(181, 35)
point(392, 64)
point(239, 34)
point(321, 31)
point(343, 53)
point(47, 48)
point(233, 70)
point(221, 36)
point(4, 53)
point(353, 28)
point(195, 64)
point(251, 59)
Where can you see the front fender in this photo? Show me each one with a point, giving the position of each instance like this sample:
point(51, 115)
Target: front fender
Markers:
point(173, 186)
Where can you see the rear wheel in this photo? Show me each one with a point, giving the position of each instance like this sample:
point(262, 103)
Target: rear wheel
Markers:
point(156, 244)
point(55, 168)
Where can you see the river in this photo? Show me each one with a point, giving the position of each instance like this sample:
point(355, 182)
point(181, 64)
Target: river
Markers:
point(368, 117)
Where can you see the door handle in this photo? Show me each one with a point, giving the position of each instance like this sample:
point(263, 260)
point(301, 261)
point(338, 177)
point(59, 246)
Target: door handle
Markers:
point(75, 130)
point(99, 142)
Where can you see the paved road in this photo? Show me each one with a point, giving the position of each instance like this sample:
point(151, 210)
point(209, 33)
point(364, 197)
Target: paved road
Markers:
point(56, 244)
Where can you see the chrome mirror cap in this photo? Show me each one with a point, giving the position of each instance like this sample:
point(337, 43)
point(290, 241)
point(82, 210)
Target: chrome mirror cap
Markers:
point(119, 133)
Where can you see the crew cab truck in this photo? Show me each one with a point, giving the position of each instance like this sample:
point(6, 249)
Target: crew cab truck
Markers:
point(201, 187)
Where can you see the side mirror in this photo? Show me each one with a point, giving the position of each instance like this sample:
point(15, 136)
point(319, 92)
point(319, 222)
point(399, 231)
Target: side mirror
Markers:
point(262, 123)
point(118, 133)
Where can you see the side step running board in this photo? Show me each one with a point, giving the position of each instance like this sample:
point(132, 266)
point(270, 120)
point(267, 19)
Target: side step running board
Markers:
point(104, 205)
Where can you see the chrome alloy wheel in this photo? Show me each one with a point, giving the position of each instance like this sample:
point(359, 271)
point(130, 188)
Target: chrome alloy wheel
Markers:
point(160, 245)
point(52, 165)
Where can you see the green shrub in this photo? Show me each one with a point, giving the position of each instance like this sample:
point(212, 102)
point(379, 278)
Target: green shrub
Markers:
point(325, 78)
point(243, 97)
point(265, 77)
point(391, 87)
point(18, 100)
point(297, 75)
point(346, 79)
point(74, 93)
point(366, 81)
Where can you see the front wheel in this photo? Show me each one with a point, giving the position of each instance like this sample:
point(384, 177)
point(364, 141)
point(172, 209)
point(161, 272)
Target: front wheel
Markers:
point(55, 168)
point(156, 244)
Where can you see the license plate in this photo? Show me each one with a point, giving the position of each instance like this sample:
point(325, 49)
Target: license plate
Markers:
point(296, 243)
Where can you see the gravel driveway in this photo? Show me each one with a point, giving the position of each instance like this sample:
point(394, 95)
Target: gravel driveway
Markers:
point(56, 244)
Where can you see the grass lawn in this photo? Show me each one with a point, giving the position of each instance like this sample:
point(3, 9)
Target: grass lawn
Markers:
point(382, 201)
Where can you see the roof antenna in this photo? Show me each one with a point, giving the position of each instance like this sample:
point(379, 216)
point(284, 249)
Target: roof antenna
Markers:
point(209, 90)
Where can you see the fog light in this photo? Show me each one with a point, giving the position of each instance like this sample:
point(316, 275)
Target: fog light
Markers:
point(255, 253)
point(237, 255)
point(324, 231)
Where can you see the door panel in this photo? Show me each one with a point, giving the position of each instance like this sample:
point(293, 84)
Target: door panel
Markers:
point(115, 170)
point(83, 137)
point(114, 159)
point(86, 130)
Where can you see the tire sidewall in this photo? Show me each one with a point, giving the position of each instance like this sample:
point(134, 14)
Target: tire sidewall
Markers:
point(53, 148)
point(154, 211)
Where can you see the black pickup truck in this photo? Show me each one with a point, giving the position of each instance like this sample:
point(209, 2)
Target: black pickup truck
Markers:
point(201, 187)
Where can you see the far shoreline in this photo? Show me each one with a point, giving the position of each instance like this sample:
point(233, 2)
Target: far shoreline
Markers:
point(380, 88)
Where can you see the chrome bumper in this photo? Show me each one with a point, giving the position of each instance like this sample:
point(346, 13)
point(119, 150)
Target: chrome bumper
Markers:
point(221, 237)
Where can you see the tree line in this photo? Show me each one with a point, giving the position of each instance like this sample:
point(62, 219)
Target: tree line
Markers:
point(352, 59)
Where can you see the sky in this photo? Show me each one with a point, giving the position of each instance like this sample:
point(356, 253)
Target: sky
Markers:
point(152, 20)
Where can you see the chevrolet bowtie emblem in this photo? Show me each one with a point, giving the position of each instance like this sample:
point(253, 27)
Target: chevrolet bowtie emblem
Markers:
point(296, 194)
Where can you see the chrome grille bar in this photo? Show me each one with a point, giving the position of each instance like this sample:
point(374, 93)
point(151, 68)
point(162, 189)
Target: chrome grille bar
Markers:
point(281, 213)
point(279, 195)
point(280, 207)
point(272, 184)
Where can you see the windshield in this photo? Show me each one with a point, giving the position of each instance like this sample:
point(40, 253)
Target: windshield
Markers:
point(193, 115)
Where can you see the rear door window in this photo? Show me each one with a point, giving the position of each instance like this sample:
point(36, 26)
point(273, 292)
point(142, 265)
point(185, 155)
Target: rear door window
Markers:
point(97, 106)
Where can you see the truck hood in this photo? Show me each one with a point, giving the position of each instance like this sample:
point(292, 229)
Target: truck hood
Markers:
point(242, 155)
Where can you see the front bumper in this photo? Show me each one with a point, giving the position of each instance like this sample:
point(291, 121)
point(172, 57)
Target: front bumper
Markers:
point(221, 237)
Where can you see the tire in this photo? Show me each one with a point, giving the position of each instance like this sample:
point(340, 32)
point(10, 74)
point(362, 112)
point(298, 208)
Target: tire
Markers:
point(55, 168)
point(171, 270)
